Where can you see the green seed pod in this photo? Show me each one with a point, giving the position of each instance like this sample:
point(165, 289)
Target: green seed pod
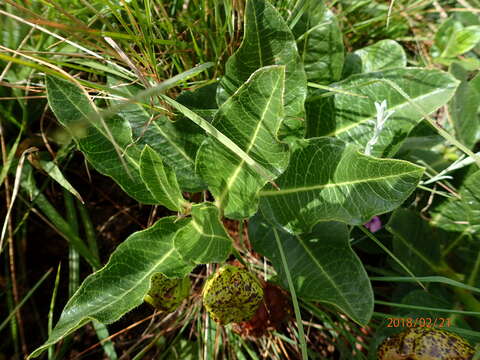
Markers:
point(232, 294)
point(167, 294)
point(421, 343)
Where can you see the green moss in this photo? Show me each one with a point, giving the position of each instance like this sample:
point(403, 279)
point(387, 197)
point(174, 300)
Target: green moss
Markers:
point(425, 344)
point(232, 294)
point(167, 294)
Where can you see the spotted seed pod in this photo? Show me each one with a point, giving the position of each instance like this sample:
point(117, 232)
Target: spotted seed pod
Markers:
point(232, 294)
point(422, 343)
point(167, 294)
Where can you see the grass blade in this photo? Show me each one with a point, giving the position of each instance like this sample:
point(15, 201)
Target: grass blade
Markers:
point(392, 255)
point(52, 306)
point(298, 316)
point(20, 304)
point(427, 279)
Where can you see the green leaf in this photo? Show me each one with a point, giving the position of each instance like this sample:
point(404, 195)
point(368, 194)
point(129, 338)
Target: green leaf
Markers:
point(463, 107)
point(462, 215)
point(214, 133)
point(461, 41)
point(123, 282)
point(56, 174)
point(320, 43)
point(423, 299)
point(414, 242)
point(268, 41)
point(320, 113)
point(202, 101)
point(202, 98)
point(204, 239)
point(354, 118)
point(322, 264)
point(443, 35)
point(330, 180)
point(250, 118)
point(160, 180)
point(385, 54)
point(475, 83)
point(74, 110)
point(176, 142)
point(453, 39)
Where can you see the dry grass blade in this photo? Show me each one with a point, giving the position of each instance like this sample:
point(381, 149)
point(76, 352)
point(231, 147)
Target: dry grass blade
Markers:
point(16, 187)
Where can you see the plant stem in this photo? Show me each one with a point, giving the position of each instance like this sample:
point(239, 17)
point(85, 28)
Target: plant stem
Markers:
point(239, 257)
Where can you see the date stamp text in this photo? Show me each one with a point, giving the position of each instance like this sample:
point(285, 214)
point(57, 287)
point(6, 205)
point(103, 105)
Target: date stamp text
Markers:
point(409, 322)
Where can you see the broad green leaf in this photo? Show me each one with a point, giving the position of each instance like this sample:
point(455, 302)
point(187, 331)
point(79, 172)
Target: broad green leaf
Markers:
point(203, 102)
point(320, 43)
point(219, 136)
point(461, 41)
point(250, 118)
point(160, 179)
point(426, 300)
point(322, 264)
point(414, 242)
point(204, 239)
point(176, 142)
point(423, 298)
point(320, 113)
point(475, 83)
point(330, 180)
point(122, 283)
point(421, 147)
point(463, 107)
point(268, 41)
point(385, 54)
point(354, 117)
point(74, 110)
point(453, 39)
point(468, 18)
point(444, 34)
point(462, 215)
point(202, 98)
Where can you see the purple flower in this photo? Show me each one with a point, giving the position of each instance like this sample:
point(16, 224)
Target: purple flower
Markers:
point(374, 225)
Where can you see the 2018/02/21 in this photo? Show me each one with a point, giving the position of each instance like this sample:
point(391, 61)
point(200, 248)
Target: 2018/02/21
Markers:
point(418, 322)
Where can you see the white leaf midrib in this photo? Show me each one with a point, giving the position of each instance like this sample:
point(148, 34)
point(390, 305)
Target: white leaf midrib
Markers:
point(332, 185)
